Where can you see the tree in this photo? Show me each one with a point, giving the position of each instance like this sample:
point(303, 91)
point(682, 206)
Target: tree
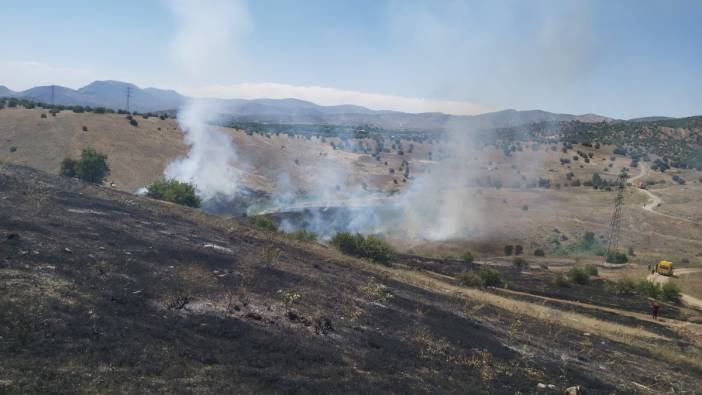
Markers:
point(92, 166)
point(174, 191)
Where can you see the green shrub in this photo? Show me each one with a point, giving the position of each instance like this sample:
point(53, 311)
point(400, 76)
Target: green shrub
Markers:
point(264, 222)
point(671, 292)
point(91, 167)
point(305, 235)
point(468, 257)
point(174, 191)
point(470, 279)
point(520, 263)
point(626, 286)
point(490, 277)
point(539, 252)
point(647, 288)
point(371, 247)
point(68, 167)
point(562, 281)
point(591, 270)
point(578, 275)
point(617, 257)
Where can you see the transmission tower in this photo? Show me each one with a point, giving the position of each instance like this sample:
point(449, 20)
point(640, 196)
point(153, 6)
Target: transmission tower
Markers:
point(615, 223)
point(129, 95)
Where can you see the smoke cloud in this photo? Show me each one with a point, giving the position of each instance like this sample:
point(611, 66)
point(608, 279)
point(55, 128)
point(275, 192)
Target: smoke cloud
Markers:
point(207, 32)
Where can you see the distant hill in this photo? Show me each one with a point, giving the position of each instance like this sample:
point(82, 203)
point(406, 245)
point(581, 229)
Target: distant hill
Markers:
point(113, 94)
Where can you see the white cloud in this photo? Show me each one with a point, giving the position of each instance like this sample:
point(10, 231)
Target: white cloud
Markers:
point(331, 96)
point(23, 75)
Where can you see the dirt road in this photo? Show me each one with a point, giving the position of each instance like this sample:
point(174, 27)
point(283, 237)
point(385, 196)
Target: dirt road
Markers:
point(653, 200)
point(687, 299)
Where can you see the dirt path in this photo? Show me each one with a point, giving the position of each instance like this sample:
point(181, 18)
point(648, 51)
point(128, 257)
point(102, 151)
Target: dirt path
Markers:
point(653, 200)
point(687, 299)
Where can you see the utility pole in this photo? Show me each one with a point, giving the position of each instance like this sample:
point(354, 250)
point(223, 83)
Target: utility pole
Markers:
point(129, 95)
point(615, 223)
point(52, 95)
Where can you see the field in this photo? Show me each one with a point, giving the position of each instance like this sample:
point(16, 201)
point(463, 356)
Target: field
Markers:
point(97, 296)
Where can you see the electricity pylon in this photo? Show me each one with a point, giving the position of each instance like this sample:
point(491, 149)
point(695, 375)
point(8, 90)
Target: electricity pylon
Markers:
point(615, 223)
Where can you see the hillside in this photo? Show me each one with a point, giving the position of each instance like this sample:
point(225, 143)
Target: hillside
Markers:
point(97, 295)
point(113, 95)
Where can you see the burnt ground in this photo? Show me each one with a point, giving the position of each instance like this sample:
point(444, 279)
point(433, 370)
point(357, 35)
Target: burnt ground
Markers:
point(102, 291)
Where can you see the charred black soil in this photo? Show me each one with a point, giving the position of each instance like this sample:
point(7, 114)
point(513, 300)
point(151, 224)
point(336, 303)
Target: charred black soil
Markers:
point(102, 291)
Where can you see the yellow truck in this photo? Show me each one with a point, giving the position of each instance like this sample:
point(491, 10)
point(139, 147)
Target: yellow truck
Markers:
point(664, 268)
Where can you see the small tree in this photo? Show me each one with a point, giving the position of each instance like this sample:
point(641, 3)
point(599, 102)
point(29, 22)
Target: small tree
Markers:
point(671, 292)
point(92, 166)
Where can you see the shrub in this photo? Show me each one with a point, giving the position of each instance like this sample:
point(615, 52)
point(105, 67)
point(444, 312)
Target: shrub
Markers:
point(264, 222)
point(371, 247)
point(578, 275)
point(43, 115)
point(133, 122)
point(525, 207)
point(647, 288)
point(561, 281)
point(490, 277)
point(470, 279)
point(591, 270)
point(305, 235)
point(617, 257)
point(626, 286)
point(68, 167)
point(91, 167)
point(671, 292)
point(174, 191)
point(85, 128)
point(468, 257)
point(520, 263)
point(539, 252)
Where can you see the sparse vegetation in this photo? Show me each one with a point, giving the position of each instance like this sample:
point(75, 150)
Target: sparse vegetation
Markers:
point(579, 275)
point(371, 247)
point(174, 191)
point(304, 235)
point(520, 263)
point(264, 222)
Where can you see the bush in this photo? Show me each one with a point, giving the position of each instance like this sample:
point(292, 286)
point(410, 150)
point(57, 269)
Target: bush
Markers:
point(539, 252)
point(647, 288)
point(264, 222)
point(371, 247)
point(133, 122)
point(490, 277)
point(591, 270)
point(68, 167)
point(578, 275)
point(520, 263)
point(671, 292)
point(91, 167)
point(305, 235)
point(174, 191)
point(562, 281)
point(468, 257)
point(617, 257)
point(626, 286)
point(470, 279)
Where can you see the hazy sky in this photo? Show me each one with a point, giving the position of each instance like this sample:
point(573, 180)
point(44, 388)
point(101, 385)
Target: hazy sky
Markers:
point(617, 58)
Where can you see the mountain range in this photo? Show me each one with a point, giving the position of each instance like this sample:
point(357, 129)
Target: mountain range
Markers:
point(113, 94)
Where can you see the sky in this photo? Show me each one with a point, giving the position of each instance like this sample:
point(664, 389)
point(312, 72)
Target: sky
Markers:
point(623, 58)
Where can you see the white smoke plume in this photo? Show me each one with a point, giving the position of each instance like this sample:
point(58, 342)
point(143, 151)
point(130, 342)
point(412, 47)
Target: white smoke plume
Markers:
point(208, 31)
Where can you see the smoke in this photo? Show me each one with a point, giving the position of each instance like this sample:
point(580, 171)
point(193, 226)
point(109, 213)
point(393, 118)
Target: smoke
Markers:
point(206, 40)
point(210, 164)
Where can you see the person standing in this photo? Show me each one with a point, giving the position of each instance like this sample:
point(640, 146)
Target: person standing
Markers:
point(654, 310)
